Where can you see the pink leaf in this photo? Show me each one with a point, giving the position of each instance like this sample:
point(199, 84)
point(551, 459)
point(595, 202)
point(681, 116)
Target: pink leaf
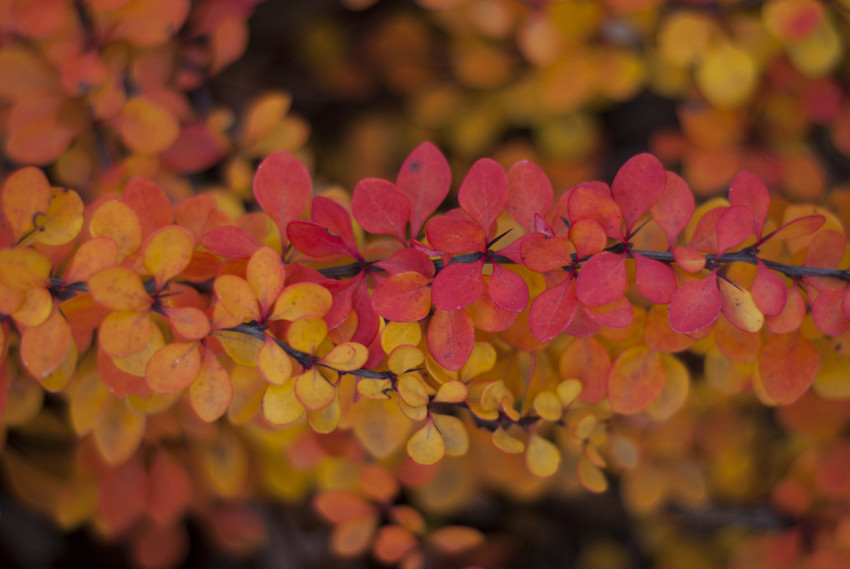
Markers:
point(552, 311)
point(734, 227)
point(827, 313)
point(380, 208)
point(425, 177)
point(585, 203)
point(405, 260)
point(637, 186)
point(695, 305)
point(507, 289)
point(450, 338)
point(655, 280)
point(483, 193)
point(315, 240)
point(458, 285)
point(453, 234)
point(331, 215)
point(602, 279)
point(674, 208)
point(529, 194)
point(230, 242)
point(618, 314)
point(748, 190)
point(769, 292)
point(282, 187)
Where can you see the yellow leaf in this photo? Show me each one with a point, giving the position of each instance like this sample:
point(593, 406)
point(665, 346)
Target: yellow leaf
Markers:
point(302, 300)
point(265, 273)
point(568, 391)
point(374, 388)
point(548, 406)
point(820, 52)
point(167, 251)
point(211, 392)
point(414, 413)
point(739, 308)
point(326, 419)
point(405, 358)
point(313, 390)
point(62, 375)
point(726, 75)
point(125, 333)
point(24, 402)
point(280, 405)
point(584, 427)
point(244, 349)
point(482, 359)
point(453, 431)
point(88, 398)
point(382, 428)
point(411, 389)
point(263, 114)
point(346, 357)
point(37, 306)
point(224, 461)
point(542, 457)
point(306, 333)
point(426, 446)
point(273, 362)
point(397, 334)
point(119, 432)
point(506, 443)
point(452, 392)
point(590, 475)
point(25, 197)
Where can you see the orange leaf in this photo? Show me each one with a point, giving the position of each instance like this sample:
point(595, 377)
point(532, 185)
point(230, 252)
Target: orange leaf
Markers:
point(787, 367)
point(274, 363)
point(44, 347)
point(125, 333)
point(26, 193)
point(237, 296)
point(211, 392)
point(300, 300)
point(167, 251)
point(305, 334)
point(173, 367)
point(119, 433)
point(92, 257)
point(62, 220)
point(455, 539)
point(117, 221)
point(119, 288)
point(346, 357)
point(24, 269)
point(636, 379)
point(187, 321)
point(265, 273)
point(392, 543)
point(313, 390)
point(339, 506)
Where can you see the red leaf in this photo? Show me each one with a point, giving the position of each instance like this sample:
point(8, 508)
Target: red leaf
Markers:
point(585, 203)
point(282, 187)
point(380, 208)
point(748, 190)
point(552, 311)
point(695, 305)
point(405, 297)
point(795, 228)
point(150, 203)
point(636, 379)
point(542, 254)
point(769, 292)
point(230, 242)
point(637, 186)
point(704, 238)
point(787, 367)
point(529, 194)
point(654, 279)
point(618, 314)
point(458, 285)
point(425, 177)
point(602, 279)
point(452, 234)
point(405, 260)
point(507, 289)
point(483, 193)
point(674, 207)
point(827, 313)
point(367, 319)
point(331, 215)
point(315, 240)
point(734, 227)
point(450, 337)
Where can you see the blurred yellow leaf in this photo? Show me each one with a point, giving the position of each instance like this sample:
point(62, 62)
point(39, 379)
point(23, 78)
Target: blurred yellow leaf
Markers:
point(541, 456)
point(726, 75)
point(280, 405)
point(119, 433)
point(506, 443)
point(426, 446)
point(453, 431)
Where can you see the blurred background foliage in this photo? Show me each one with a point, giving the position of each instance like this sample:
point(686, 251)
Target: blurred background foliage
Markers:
point(194, 94)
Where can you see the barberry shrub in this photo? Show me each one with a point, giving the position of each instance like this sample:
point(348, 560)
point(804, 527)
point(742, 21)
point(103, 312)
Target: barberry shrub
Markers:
point(365, 351)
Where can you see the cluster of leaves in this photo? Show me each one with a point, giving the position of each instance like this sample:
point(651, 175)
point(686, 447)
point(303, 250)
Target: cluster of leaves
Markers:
point(103, 91)
point(756, 85)
point(204, 357)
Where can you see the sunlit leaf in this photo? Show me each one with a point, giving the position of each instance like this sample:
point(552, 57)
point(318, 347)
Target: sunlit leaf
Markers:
point(541, 456)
